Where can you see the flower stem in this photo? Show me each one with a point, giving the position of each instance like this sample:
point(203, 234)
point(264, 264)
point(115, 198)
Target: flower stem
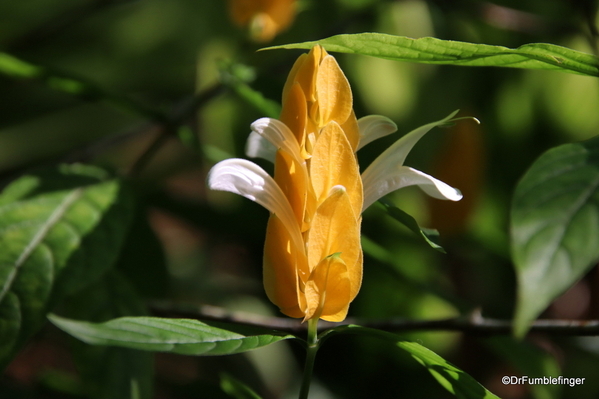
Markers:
point(310, 357)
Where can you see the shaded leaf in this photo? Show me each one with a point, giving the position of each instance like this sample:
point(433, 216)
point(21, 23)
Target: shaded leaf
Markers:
point(236, 388)
point(109, 372)
point(17, 68)
point(531, 361)
point(554, 226)
point(237, 77)
point(142, 260)
point(430, 50)
point(182, 336)
point(430, 236)
point(453, 379)
point(60, 230)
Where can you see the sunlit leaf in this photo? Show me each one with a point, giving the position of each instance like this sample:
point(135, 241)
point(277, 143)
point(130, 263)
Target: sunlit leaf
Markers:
point(60, 230)
point(430, 236)
point(182, 336)
point(456, 381)
point(430, 50)
point(554, 226)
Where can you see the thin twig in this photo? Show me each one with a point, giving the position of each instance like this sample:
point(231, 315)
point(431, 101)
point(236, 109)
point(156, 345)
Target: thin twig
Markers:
point(473, 324)
point(178, 117)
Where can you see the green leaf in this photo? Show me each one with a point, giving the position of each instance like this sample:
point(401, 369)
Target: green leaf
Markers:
point(182, 336)
point(236, 77)
point(453, 379)
point(529, 360)
point(142, 261)
point(20, 69)
point(430, 236)
point(450, 377)
point(109, 372)
point(430, 50)
point(554, 226)
point(14, 67)
point(236, 388)
point(267, 107)
point(60, 230)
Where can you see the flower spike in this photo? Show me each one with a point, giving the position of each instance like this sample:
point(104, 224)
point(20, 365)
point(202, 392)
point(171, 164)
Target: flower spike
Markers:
point(312, 252)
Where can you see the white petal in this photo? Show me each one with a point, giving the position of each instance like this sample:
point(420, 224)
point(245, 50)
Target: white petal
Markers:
point(279, 135)
point(245, 178)
point(258, 147)
point(396, 154)
point(373, 127)
point(389, 162)
point(405, 176)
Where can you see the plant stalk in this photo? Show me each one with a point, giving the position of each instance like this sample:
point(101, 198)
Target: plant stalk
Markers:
point(312, 348)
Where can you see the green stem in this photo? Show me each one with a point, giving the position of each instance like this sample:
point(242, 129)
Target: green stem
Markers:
point(310, 357)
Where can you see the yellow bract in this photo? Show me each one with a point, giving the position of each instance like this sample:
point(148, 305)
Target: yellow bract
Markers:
point(325, 192)
point(265, 18)
point(312, 254)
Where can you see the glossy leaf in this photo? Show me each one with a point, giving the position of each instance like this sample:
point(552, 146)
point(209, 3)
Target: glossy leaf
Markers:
point(60, 230)
point(182, 336)
point(430, 236)
point(554, 226)
point(456, 381)
point(430, 50)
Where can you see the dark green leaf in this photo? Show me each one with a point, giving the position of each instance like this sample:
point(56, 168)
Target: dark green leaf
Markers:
point(529, 360)
point(142, 261)
point(109, 372)
point(430, 236)
point(237, 77)
point(429, 50)
point(453, 379)
point(554, 226)
point(266, 106)
point(19, 69)
point(59, 231)
point(10, 325)
point(182, 336)
point(236, 388)
point(62, 383)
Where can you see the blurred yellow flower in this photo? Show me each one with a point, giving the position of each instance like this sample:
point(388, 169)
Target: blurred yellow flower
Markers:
point(312, 254)
point(264, 18)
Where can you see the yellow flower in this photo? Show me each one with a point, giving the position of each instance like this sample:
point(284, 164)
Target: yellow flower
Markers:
point(312, 253)
point(265, 18)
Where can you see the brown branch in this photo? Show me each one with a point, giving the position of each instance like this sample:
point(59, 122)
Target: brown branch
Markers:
point(178, 117)
point(473, 324)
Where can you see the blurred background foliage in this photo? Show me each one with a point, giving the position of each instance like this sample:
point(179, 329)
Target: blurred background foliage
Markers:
point(176, 87)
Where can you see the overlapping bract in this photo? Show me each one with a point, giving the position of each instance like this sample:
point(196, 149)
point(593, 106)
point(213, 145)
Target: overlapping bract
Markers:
point(312, 254)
